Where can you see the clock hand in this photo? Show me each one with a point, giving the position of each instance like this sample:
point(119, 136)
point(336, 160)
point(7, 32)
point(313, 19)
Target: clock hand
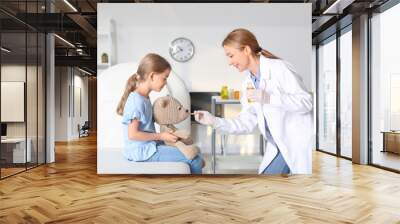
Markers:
point(178, 50)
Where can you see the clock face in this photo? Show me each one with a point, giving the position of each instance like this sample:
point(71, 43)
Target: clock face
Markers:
point(181, 49)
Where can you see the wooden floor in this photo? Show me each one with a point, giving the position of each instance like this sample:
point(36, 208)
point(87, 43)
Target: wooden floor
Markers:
point(70, 191)
point(10, 171)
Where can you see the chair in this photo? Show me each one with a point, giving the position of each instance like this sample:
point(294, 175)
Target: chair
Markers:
point(84, 130)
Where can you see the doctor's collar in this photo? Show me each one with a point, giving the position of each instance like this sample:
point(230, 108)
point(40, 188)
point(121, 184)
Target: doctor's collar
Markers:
point(257, 75)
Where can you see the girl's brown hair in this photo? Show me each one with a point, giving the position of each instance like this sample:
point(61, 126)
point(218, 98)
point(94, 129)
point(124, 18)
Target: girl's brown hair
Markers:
point(240, 38)
point(150, 63)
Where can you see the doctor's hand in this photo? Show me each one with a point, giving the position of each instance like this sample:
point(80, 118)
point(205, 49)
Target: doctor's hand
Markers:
point(258, 95)
point(204, 117)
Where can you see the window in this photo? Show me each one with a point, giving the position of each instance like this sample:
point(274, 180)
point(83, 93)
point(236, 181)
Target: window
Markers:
point(22, 66)
point(346, 93)
point(385, 89)
point(327, 96)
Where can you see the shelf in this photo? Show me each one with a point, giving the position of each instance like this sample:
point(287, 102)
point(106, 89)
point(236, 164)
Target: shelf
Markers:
point(103, 66)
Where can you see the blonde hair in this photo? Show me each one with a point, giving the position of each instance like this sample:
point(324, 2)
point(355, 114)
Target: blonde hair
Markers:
point(150, 63)
point(240, 38)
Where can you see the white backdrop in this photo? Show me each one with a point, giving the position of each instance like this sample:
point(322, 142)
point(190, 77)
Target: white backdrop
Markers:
point(284, 29)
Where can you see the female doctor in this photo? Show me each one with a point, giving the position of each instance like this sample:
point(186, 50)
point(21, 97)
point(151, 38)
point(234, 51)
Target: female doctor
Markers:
point(273, 98)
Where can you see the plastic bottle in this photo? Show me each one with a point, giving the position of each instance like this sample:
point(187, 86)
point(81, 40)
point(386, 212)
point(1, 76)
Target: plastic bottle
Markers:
point(249, 87)
point(224, 92)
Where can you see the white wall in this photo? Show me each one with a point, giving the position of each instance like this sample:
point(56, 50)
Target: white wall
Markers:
point(61, 103)
point(80, 83)
point(67, 82)
point(284, 29)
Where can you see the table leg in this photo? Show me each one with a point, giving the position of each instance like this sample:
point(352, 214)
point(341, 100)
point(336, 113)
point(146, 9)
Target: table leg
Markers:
point(262, 142)
point(213, 159)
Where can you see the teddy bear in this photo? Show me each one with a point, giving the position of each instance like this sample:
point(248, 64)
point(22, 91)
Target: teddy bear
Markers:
point(168, 111)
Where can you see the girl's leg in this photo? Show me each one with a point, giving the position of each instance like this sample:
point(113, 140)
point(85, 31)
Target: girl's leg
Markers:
point(196, 165)
point(277, 166)
point(171, 154)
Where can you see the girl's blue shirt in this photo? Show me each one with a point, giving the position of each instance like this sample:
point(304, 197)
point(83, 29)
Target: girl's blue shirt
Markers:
point(140, 108)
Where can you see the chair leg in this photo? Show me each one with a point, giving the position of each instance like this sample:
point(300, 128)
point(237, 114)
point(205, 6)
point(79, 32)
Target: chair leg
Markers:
point(224, 139)
point(222, 144)
point(262, 145)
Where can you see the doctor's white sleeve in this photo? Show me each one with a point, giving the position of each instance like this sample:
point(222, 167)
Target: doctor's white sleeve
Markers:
point(293, 95)
point(243, 124)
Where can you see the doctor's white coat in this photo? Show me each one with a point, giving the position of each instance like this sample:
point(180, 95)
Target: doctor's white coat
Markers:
point(289, 116)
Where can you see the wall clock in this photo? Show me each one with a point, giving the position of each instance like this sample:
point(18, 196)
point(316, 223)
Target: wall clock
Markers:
point(181, 49)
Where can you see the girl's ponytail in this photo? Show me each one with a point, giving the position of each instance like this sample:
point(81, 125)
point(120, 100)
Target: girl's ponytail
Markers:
point(150, 63)
point(129, 87)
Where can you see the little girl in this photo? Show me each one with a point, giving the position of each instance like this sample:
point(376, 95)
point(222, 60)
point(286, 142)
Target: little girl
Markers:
point(142, 143)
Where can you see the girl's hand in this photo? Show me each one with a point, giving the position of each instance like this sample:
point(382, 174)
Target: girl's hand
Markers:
point(168, 137)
